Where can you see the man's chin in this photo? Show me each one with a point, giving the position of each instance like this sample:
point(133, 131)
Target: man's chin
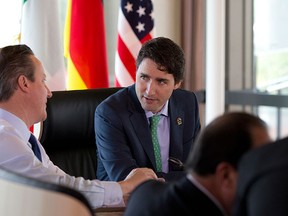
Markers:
point(44, 116)
point(149, 108)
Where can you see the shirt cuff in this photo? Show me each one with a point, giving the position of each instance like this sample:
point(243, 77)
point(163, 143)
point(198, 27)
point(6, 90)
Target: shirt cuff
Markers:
point(113, 196)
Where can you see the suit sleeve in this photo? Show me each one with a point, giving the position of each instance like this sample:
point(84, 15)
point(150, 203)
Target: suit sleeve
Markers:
point(113, 151)
point(146, 200)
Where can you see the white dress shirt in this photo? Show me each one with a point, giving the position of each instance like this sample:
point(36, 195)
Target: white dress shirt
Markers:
point(16, 155)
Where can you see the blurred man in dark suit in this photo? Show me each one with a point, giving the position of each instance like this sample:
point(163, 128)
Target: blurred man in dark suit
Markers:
point(263, 181)
point(210, 184)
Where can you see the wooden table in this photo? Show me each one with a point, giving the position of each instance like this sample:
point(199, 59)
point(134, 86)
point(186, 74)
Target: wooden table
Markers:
point(117, 211)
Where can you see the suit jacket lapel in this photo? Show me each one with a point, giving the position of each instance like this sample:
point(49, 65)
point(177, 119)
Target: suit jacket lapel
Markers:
point(140, 124)
point(176, 129)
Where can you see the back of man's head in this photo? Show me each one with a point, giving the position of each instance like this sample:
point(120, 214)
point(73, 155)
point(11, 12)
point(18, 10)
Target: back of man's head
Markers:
point(14, 61)
point(225, 139)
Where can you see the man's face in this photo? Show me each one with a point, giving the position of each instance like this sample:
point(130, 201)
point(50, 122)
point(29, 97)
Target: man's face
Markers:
point(153, 86)
point(39, 92)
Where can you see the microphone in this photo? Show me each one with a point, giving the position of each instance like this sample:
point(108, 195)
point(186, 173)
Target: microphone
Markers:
point(175, 162)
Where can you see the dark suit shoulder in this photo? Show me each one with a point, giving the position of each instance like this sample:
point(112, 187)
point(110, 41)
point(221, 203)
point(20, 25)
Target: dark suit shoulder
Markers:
point(181, 94)
point(262, 180)
point(177, 198)
point(140, 204)
point(263, 159)
point(115, 99)
point(124, 99)
point(186, 101)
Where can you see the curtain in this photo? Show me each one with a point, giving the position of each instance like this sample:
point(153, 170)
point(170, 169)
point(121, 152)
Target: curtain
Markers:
point(193, 43)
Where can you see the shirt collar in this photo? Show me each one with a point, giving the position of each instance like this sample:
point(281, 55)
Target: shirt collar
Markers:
point(17, 123)
point(163, 111)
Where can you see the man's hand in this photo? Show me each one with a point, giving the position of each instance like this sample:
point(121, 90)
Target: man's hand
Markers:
point(134, 178)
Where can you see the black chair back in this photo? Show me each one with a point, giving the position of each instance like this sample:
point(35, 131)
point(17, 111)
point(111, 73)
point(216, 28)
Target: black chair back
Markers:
point(68, 134)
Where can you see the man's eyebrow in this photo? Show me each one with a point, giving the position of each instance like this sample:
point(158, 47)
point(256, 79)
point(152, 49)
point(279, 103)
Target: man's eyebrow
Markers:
point(162, 80)
point(144, 74)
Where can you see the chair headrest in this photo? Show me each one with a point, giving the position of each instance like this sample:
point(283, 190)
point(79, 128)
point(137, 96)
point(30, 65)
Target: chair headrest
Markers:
point(70, 118)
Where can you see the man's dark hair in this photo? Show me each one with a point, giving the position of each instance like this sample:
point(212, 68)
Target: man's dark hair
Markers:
point(225, 139)
point(166, 54)
point(14, 61)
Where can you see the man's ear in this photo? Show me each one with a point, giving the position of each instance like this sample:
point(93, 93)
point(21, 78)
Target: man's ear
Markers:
point(177, 85)
point(227, 184)
point(226, 175)
point(23, 83)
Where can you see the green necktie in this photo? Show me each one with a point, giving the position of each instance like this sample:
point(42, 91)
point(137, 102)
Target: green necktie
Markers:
point(154, 120)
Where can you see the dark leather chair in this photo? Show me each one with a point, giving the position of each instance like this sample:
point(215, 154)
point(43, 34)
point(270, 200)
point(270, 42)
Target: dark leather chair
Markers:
point(21, 195)
point(68, 134)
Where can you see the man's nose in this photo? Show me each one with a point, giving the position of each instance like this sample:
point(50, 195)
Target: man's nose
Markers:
point(151, 88)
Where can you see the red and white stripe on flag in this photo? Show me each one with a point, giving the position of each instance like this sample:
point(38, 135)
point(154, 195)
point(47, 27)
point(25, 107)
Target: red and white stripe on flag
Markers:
point(135, 26)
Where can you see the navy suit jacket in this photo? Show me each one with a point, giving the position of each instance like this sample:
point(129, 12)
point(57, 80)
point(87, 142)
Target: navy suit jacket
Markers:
point(263, 181)
point(170, 199)
point(123, 137)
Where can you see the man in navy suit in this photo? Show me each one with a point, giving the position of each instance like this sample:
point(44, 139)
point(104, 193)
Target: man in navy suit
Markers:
point(210, 184)
point(122, 121)
point(262, 183)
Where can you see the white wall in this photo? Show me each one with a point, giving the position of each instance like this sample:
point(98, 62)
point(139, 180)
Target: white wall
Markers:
point(215, 59)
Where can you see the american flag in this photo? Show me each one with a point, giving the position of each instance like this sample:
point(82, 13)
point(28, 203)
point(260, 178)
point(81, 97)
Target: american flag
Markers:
point(135, 26)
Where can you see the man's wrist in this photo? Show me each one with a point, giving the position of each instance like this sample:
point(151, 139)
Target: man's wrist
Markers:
point(125, 190)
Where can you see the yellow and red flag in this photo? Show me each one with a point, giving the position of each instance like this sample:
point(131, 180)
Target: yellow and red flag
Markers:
point(85, 45)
